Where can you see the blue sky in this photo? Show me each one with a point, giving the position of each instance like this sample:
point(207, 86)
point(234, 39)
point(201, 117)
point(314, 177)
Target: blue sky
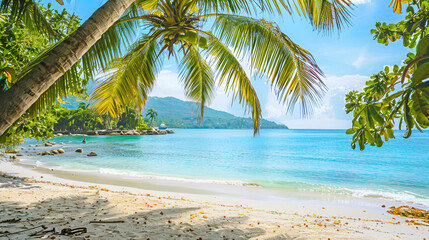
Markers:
point(347, 59)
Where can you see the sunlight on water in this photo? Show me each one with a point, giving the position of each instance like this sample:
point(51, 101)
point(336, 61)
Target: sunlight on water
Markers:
point(310, 160)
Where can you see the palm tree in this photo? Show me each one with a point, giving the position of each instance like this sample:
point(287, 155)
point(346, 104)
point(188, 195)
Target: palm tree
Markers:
point(100, 39)
point(151, 114)
point(57, 62)
point(210, 58)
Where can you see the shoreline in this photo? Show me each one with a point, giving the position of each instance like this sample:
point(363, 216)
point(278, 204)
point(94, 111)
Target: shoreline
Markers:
point(240, 189)
point(305, 218)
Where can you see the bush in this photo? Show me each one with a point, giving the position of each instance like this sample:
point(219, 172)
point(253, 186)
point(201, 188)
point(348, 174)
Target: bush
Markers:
point(121, 127)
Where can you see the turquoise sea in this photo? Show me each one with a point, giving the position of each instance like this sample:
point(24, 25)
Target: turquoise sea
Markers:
point(304, 160)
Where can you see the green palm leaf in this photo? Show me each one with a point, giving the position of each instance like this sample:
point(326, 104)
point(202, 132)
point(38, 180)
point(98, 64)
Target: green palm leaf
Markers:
point(113, 42)
point(230, 72)
point(293, 72)
point(129, 79)
point(28, 11)
point(324, 15)
point(197, 77)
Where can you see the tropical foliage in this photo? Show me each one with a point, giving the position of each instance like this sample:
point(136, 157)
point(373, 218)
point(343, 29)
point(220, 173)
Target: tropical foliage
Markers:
point(151, 115)
point(19, 46)
point(84, 118)
point(210, 58)
point(399, 95)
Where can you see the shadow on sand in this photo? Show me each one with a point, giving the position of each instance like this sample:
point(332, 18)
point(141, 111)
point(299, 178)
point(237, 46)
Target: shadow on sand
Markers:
point(37, 220)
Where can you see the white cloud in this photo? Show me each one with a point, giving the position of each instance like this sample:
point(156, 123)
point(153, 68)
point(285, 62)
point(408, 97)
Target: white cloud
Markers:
point(358, 63)
point(168, 85)
point(357, 2)
point(330, 115)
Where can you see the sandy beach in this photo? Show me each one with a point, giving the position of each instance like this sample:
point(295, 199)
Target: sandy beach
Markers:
point(33, 204)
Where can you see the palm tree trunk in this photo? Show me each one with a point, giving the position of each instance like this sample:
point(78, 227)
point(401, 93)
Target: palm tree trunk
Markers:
point(15, 101)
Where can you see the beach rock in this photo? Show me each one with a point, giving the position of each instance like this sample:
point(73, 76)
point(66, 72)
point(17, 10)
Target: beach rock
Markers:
point(19, 155)
point(162, 132)
point(48, 144)
point(92, 154)
point(61, 151)
point(46, 153)
point(61, 143)
point(170, 131)
point(38, 153)
point(23, 149)
point(114, 134)
point(33, 145)
point(52, 143)
point(54, 152)
point(12, 157)
point(79, 150)
point(405, 211)
point(151, 132)
point(104, 132)
point(12, 151)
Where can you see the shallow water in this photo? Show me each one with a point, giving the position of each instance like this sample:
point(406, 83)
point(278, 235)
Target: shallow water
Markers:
point(306, 160)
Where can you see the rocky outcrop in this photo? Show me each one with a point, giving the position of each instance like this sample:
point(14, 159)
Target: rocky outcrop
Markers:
point(409, 212)
point(54, 152)
point(14, 151)
point(113, 132)
point(61, 151)
point(45, 153)
point(79, 150)
point(92, 154)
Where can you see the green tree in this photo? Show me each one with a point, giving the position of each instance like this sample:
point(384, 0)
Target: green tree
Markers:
point(19, 46)
point(178, 28)
point(399, 93)
point(151, 114)
point(98, 41)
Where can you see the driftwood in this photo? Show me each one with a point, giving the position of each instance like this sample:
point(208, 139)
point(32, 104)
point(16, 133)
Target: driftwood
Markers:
point(69, 231)
point(43, 232)
point(107, 221)
point(13, 220)
point(41, 226)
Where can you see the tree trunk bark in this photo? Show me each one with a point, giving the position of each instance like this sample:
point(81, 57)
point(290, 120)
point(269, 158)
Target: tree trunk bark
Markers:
point(15, 101)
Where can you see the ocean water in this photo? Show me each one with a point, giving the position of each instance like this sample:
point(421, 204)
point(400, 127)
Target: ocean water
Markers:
point(304, 160)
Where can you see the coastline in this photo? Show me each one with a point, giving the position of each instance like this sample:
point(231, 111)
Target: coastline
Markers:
point(310, 216)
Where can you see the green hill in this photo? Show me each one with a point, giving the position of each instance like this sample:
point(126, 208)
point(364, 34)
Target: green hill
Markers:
point(176, 113)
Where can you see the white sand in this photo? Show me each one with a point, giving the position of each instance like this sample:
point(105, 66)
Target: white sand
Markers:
point(43, 199)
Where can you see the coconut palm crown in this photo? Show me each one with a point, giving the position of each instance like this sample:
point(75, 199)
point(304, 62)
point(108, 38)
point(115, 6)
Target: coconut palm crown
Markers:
point(207, 59)
point(152, 30)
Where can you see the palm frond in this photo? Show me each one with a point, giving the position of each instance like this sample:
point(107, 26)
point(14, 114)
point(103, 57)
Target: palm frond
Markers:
point(69, 84)
point(112, 43)
point(293, 73)
point(29, 12)
point(230, 72)
point(325, 15)
point(129, 79)
point(197, 77)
